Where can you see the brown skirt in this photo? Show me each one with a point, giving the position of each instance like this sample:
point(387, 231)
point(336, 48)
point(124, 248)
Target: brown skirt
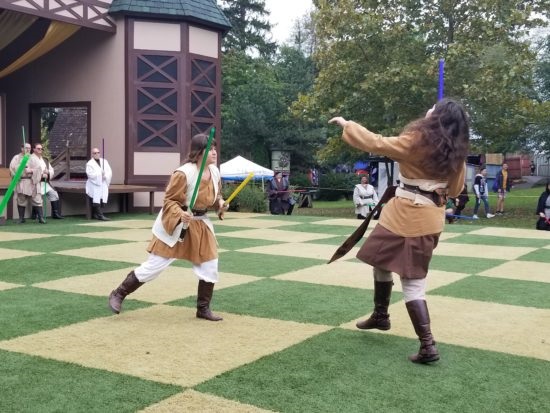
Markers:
point(407, 256)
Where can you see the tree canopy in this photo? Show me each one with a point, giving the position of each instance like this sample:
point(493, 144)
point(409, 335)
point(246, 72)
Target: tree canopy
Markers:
point(378, 64)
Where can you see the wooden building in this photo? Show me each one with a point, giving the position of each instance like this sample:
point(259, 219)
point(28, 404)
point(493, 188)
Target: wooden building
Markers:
point(146, 74)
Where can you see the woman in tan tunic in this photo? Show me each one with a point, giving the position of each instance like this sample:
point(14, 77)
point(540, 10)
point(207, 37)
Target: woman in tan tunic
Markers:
point(199, 244)
point(431, 153)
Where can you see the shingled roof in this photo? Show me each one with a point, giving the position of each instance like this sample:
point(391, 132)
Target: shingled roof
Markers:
point(201, 11)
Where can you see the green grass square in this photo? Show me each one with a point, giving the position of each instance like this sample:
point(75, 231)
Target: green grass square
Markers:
point(294, 301)
point(29, 310)
point(34, 384)
point(46, 267)
point(322, 229)
point(355, 371)
point(58, 243)
point(499, 290)
point(465, 265)
point(227, 228)
point(462, 226)
point(496, 241)
point(540, 255)
point(262, 265)
point(67, 226)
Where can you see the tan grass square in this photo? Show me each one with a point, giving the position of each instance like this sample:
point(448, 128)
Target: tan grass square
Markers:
point(242, 215)
point(20, 236)
point(359, 275)
point(521, 270)
point(270, 234)
point(481, 251)
point(174, 283)
point(129, 252)
point(192, 401)
point(344, 222)
point(7, 254)
point(339, 273)
point(8, 286)
point(522, 331)
point(133, 234)
point(448, 235)
point(123, 223)
point(165, 344)
point(255, 223)
point(513, 233)
point(303, 250)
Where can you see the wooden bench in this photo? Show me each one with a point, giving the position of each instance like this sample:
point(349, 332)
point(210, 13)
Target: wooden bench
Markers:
point(79, 187)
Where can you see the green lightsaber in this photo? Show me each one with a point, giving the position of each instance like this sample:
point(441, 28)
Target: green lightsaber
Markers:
point(15, 178)
point(201, 170)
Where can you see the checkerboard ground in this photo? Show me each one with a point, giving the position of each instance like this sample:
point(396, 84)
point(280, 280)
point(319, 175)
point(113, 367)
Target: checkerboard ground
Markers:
point(276, 294)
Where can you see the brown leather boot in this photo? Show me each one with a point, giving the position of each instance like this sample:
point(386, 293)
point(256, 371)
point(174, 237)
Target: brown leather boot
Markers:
point(379, 319)
point(204, 296)
point(129, 285)
point(418, 312)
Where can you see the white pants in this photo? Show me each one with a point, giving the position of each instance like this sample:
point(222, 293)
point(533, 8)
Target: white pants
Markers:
point(151, 269)
point(413, 289)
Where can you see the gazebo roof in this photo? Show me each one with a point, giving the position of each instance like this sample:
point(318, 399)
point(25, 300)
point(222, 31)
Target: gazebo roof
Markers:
point(202, 11)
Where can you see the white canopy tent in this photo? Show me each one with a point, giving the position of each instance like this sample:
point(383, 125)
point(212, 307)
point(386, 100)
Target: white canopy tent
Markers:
point(238, 169)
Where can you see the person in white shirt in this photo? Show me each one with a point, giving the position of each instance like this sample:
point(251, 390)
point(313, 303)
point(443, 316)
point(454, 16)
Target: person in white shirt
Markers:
point(365, 198)
point(481, 191)
point(43, 187)
point(99, 175)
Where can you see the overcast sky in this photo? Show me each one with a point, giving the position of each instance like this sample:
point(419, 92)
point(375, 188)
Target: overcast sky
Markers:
point(283, 15)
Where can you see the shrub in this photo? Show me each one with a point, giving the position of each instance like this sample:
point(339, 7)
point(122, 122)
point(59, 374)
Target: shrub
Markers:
point(250, 199)
point(334, 186)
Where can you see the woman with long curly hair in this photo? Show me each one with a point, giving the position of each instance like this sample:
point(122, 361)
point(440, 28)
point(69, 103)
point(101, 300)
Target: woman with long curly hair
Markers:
point(431, 152)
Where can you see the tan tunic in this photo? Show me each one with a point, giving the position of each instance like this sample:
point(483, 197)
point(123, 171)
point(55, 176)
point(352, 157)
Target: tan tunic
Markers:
point(199, 244)
point(401, 216)
point(27, 185)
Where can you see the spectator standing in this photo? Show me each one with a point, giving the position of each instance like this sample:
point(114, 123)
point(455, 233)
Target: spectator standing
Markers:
point(280, 200)
point(99, 175)
point(503, 186)
point(24, 189)
point(44, 185)
point(481, 191)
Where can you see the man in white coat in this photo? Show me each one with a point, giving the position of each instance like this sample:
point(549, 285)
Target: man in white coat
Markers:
point(97, 186)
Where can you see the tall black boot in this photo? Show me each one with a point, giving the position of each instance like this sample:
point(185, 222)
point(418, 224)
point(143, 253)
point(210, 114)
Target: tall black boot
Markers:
point(420, 317)
point(117, 296)
point(56, 210)
point(379, 319)
point(39, 212)
point(97, 214)
point(204, 296)
point(21, 210)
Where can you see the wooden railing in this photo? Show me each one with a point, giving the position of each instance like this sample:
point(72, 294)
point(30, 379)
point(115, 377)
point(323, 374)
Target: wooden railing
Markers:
point(68, 161)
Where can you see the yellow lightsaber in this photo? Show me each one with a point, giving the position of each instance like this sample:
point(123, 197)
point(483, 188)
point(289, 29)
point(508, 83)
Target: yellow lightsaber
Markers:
point(238, 189)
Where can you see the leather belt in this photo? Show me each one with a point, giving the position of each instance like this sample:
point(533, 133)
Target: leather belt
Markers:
point(416, 190)
point(199, 212)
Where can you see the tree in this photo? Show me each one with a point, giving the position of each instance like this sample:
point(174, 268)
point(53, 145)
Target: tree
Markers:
point(250, 28)
point(251, 109)
point(378, 65)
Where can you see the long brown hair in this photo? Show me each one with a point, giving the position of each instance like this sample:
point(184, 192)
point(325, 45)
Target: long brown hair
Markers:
point(198, 145)
point(445, 136)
